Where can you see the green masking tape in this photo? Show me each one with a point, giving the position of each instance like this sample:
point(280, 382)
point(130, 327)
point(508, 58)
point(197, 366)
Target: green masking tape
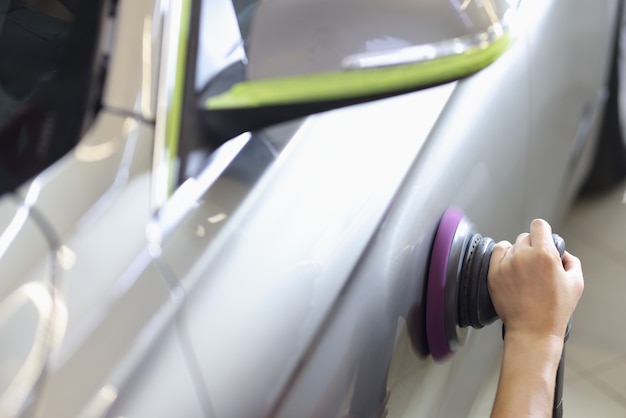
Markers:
point(357, 83)
point(174, 114)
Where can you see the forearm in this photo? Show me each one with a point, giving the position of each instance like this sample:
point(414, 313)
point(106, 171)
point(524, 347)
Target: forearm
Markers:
point(527, 376)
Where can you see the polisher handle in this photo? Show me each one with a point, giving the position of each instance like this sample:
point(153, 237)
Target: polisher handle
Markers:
point(480, 311)
point(557, 406)
point(559, 243)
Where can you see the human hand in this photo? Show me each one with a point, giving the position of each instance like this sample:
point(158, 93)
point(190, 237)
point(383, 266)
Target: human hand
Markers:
point(533, 290)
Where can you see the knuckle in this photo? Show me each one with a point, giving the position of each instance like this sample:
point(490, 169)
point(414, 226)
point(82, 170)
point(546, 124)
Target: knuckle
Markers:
point(503, 245)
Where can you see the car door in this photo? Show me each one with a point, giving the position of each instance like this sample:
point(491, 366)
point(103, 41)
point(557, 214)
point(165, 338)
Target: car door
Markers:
point(371, 358)
point(490, 168)
point(264, 237)
point(271, 238)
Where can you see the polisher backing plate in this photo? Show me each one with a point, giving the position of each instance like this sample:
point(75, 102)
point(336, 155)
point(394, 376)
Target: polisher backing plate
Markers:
point(435, 293)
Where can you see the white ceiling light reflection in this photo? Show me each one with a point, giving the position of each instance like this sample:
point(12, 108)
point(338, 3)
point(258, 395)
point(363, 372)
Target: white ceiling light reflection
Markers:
point(200, 231)
point(98, 152)
point(34, 190)
point(32, 321)
point(217, 218)
point(90, 152)
point(101, 402)
point(146, 70)
point(191, 191)
point(66, 257)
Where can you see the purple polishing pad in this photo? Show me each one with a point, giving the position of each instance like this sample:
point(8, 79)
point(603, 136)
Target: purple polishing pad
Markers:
point(435, 294)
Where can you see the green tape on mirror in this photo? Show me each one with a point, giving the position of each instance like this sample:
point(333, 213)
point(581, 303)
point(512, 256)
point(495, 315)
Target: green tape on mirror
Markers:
point(358, 83)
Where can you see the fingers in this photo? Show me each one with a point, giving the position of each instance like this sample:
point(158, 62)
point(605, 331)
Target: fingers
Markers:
point(541, 234)
point(523, 239)
point(574, 271)
point(532, 289)
point(499, 251)
point(571, 262)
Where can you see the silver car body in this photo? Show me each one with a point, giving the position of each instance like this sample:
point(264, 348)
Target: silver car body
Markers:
point(287, 278)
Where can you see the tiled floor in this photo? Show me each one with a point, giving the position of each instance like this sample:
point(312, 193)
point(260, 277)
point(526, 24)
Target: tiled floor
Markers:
point(595, 371)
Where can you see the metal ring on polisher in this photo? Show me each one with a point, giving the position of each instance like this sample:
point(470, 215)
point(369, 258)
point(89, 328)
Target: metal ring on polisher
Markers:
point(455, 335)
point(463, 299)
point(485, 312)
point(473, 281)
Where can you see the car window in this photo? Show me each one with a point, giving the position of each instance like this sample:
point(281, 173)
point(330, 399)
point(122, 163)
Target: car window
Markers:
point(47, 81)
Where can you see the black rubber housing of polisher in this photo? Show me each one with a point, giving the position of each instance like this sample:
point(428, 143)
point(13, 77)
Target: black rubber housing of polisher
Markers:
point(475, 308)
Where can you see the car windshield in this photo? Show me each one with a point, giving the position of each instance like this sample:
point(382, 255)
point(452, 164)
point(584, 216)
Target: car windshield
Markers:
point(47, 51)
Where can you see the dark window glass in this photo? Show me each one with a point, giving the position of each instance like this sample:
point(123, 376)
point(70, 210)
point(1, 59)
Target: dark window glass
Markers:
point(47, 81)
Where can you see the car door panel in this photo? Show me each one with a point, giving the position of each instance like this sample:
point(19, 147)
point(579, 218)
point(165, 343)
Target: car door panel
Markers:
point(300, 231)
point(162, 385)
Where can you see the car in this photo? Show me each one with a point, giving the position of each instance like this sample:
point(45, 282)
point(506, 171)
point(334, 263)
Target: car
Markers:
point(215, 208)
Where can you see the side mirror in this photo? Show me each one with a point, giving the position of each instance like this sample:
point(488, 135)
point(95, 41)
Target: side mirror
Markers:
point(307, 56)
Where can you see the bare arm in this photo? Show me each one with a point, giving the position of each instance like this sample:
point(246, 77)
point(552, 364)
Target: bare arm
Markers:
point(534, 293)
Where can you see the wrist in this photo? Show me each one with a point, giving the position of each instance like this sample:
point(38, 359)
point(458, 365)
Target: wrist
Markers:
point(548, 345)
point(528, 374)
point(541, 351)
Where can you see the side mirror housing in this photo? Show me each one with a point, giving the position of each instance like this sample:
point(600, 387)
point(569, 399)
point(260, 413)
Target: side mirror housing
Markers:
point(307, 56)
